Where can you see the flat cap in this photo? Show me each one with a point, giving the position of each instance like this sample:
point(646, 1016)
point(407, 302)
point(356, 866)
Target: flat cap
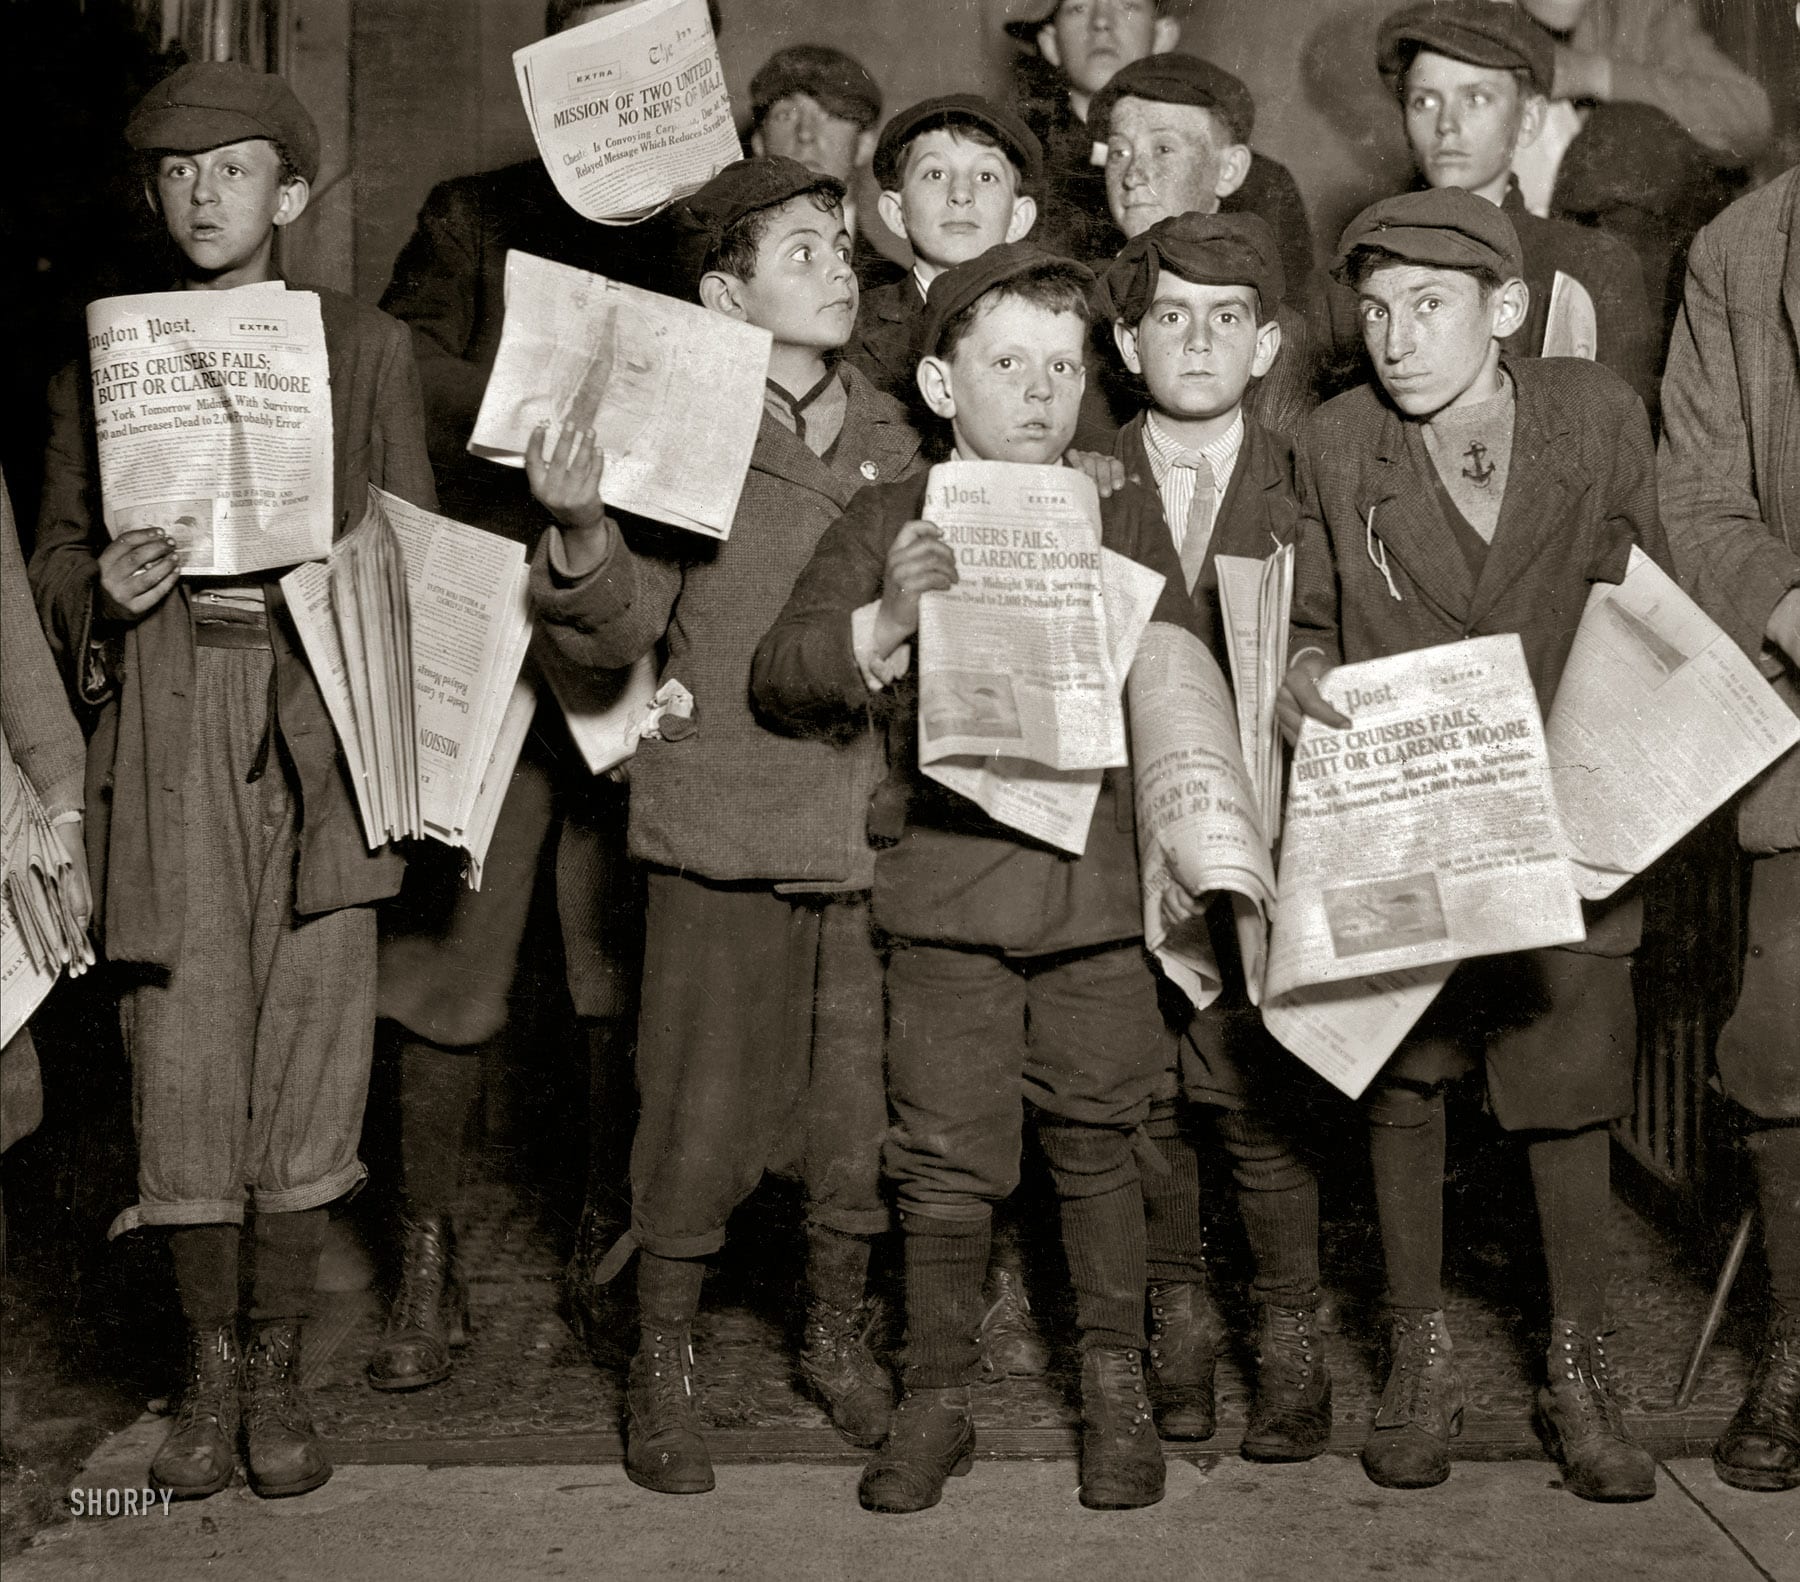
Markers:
point(839, 84)
point(1441, 225)
point(1176, 79)
point(1208, 249)
point(1494, 33)
point(702, 218)
point(951, 109)
point(956, 288)
point(211, 102)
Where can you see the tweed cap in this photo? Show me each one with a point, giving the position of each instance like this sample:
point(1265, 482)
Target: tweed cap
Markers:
point(1177, 79)
point(956, 288)
point(211, 102)
point(839, 83)
point(1441, 225)
point(1208, 249)
point(1492, 33)
point(1019, 141)
point(703, 217)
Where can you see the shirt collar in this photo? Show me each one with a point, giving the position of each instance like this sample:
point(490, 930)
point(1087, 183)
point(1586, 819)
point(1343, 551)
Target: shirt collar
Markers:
point(1165, 451)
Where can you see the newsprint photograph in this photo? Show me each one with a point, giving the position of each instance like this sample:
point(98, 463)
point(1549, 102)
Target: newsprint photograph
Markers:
point(827, 790)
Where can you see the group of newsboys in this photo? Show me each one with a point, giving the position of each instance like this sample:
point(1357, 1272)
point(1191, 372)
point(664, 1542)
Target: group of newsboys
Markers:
point(810, 958)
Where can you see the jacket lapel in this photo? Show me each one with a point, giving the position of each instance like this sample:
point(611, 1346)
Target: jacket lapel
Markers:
point(1249, 513)
point(1402, 524)
point(875, 445)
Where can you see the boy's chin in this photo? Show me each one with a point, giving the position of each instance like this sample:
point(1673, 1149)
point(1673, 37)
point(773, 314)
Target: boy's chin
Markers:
point(1181, 405)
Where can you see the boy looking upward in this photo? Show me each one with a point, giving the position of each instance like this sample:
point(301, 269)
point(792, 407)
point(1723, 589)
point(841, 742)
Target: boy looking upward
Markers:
point(1466, 494)
point(758, 862)
point(958, 175)
point(1192, 302)
point(1016, 971)
point(238, 888)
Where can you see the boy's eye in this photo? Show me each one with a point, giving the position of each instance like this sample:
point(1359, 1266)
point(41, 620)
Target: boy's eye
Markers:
point(1006, 364)
point(1372, 313)
point(803, 254)
point(1226, 316)
point(1430, 304)
point(843, 251)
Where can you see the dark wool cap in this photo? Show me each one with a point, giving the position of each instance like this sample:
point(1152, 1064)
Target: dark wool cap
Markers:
point(1031, 17)
point(702, 218)
point(1441, 225)
point(1492, 33)
point(211, 102)
point(840, 84)
point(1208, 249)
point(1177, 79)
point(1014, 135)
point(958, 287)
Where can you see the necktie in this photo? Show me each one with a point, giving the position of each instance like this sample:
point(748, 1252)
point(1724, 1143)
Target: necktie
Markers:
point(1198, 532)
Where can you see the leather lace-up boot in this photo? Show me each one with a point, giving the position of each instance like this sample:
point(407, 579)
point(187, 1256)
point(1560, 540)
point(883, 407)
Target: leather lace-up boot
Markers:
point(932, 1439)
point(1583, 1425)
point(1760, 1449)
point(1011, 1347)
point(200, 1453)
point(1290, 1409)
point(1121, 1457)
point(838, 1362)
point(1421, 1409)
point(430, 1311)
point(663, 1447)
point(1185, 1332)
point(282, 1452)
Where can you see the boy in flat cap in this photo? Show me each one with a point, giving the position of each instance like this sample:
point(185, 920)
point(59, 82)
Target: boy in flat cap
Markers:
point(1471, 77)
point(1192, 304)
point(237, 888)
point(818, 105)
point(1466, 493)
point(759, 1038)
point(958, 175)
point(1016, 971)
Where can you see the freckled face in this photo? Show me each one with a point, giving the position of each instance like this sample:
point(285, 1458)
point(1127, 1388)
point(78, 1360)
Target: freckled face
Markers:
point(1162, 160)
point(1015, 382)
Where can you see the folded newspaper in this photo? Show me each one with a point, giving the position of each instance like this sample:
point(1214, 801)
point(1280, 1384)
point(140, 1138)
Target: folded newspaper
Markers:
point(673, 392)
point(212, 415)
point(39, 931)
point(416, 627)
point(630, 110)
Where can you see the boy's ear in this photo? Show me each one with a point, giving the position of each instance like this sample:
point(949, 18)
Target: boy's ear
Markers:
point(865, 146)
point(893, 215)
point(1511, 302)
point(295, 195)
point(1046, 43)
point(1531, 120)
point(757, 146)
point(1165, 35)
point(1125, 338)
point(1024, 216)
point(719, 294)
point(1268, 348)
point(936, 385)
point(1234, 166)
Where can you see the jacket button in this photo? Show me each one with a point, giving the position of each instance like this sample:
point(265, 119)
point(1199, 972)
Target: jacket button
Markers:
point(870, 471)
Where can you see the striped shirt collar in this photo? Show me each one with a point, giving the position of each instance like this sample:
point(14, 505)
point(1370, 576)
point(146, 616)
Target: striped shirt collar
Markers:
point(1165, 451)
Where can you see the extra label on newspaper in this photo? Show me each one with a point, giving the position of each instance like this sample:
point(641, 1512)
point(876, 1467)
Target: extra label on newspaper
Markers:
point(630, 110)
point(212, 414)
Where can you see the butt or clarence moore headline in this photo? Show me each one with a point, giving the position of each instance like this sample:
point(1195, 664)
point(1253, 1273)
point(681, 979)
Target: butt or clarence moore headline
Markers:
point(630, 110)
point(212, 414)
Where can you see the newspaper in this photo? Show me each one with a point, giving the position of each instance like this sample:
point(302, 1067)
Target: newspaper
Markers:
point(416, 628)
point(212, 413)
point(630, 110)
point(1659, 718)
point(674, 393)
point(1571, 327)
point(1428, 831)
point(1348, 1031)
point(1255, 597)
point(1014, 659)
point(1056, 806)
point(605, 710)
point(40, 933)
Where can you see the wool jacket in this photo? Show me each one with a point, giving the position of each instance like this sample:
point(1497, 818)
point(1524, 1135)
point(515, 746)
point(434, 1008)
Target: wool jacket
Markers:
point(140, 696)
point(736, 799)
point(885, 343)
point(1729, 462)
point(946, 872)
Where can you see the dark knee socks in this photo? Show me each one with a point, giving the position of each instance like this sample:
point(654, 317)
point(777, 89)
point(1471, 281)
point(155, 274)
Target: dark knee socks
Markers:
point(206, 1273)
point(1174, 1237)
point(1776, 1152)
point(438, 1090)
point(1278, 1196)
point(1102, 1211)
point(668, 1290)
point(612, 1111)
point(946, 1262)
point(1571, 1175)
point(285, 1266)
point(837, 1265)
point(1406, 1156)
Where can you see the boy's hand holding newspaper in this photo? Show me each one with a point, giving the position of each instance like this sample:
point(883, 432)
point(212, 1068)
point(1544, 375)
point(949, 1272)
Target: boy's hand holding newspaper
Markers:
point(1300, 695)
point(918, 561)
point(566, 482)
point(137, 570)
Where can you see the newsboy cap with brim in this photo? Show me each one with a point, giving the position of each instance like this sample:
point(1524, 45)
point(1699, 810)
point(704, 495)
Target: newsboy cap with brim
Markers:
point(1176, 79)
point(208, 103)
point(1019, 141)
point(1445, 226)
point(839, 84)
point(1491, 33)
point(1208, 249)
point(703, 217)
point(956, 288)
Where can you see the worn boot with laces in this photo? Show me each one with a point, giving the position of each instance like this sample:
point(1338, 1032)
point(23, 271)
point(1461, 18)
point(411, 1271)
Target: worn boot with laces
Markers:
point(200, 1453)
point(1011, 1347)
point(1185, 1332)
point(430, 1312)
point(663, 1447)
point(932, 1439)
point(1582, 1423)
point(837, 1361)
point(1421, 1408)
point(281, 1452)
point(1290, 1409)
point(1121, 1457)
point(1760, 1449)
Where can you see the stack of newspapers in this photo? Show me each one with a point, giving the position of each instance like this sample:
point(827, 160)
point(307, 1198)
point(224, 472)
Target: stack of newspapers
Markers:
point(416, 627)
point(39, 930)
